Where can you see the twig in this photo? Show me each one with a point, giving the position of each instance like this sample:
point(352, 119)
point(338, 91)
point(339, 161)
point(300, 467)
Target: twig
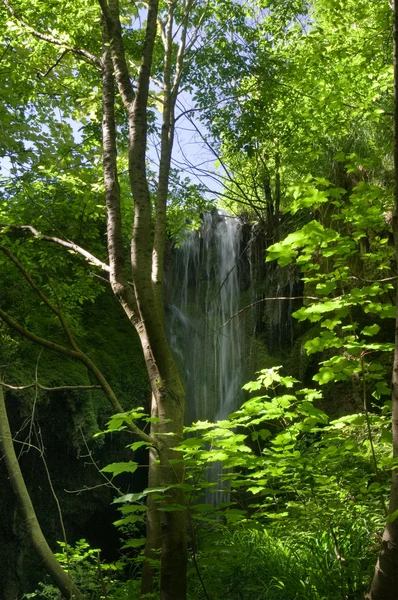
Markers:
point(103, 475)
point(202, 583)
point(370, 436)
point(32, 418)
point(42, 75)
point(101, 577)
point(59, 509)
point(264, 300)
point(60, 388)
point(86, 488)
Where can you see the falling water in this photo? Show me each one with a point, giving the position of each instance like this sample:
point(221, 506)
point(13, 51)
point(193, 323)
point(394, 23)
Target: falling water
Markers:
point(207, 275)
point(204, 296)
point(206, 340)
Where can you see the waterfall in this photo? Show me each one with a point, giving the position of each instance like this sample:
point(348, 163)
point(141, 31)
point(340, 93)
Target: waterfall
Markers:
point(208, 275)
point(204, 291)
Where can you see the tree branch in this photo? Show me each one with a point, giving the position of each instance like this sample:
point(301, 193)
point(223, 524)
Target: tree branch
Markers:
point(264, 300)
point(166, 146)
point(120, 286)
point(64, 53)
point(83, 358)
point(111, 180)
point(37, 339)
point(55, 240)
point(50, 38)
point(61, 388)
point(110, 12)
point(42, 296)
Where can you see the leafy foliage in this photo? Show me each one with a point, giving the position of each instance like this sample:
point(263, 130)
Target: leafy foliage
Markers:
point(93, 576)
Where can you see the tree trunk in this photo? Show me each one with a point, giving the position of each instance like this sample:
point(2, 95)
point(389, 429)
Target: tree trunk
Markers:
point(61, 579)
point(143, 299)
point(150, 568)
point(385, 581)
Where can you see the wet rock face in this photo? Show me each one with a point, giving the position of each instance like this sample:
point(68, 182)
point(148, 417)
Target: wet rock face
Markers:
point(10, 542)
point(64, 423)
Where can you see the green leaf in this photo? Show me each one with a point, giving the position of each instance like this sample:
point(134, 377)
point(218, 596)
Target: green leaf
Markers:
point(192, 443)
point(137, 445)
point(326, 288)
point(382, 389)
point(371, 330)
point(386, 436)
point(374, 487)
point(134, 543)
point(264, 433)
point(121, 467)
point(325, 375)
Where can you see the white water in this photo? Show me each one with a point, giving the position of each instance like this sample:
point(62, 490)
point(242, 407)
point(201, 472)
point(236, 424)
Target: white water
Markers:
point(205, 294)
point(205, 284)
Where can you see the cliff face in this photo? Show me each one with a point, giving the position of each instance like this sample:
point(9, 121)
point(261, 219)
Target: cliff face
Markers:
point(59, 458)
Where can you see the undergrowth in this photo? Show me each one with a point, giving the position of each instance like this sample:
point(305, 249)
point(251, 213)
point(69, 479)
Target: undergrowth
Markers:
point(256, 565)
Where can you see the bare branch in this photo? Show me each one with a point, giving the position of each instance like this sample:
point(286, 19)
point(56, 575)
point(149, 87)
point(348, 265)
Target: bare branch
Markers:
point(180, 58)
point(162, 27)
point(61, 388)
point(108, 480)
point(195, 35)
point(264, 300)
point(61, 56)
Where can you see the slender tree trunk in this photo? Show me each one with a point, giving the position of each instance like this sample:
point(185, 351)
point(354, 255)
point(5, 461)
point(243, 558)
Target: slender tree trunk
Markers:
point(385, 581)
point(143, 299)
point(269, 201)
point(61, 579)
point(143, 303)
point(277, 183)
point(153, 538)
point(167, 389)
